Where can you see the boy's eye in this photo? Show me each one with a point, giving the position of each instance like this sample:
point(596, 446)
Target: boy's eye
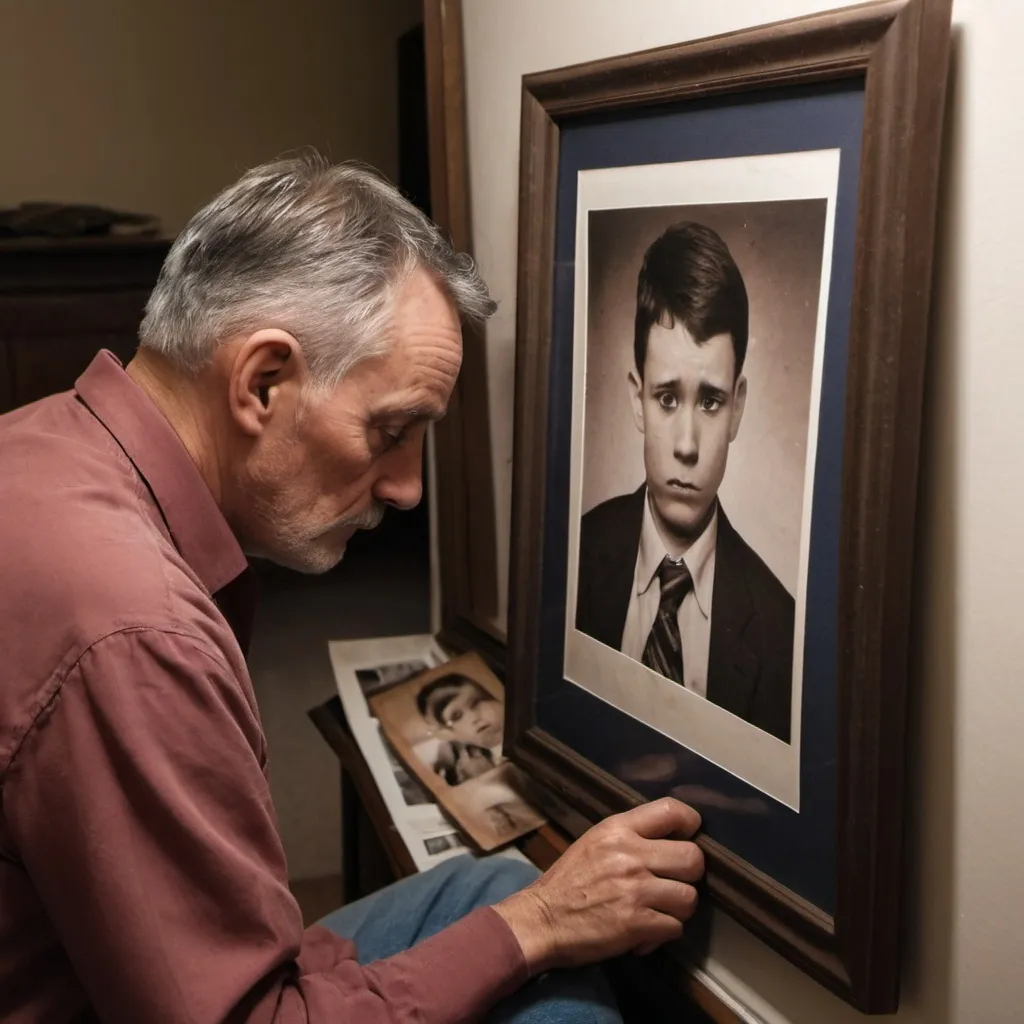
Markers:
point(667, 400)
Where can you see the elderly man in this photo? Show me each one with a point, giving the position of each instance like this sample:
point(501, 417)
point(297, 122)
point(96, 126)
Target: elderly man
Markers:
point(304, 331)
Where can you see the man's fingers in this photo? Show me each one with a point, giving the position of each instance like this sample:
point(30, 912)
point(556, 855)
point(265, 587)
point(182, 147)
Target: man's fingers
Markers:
point(661, 928)
point(661, 819)
point(674, 859)
point(676, 899)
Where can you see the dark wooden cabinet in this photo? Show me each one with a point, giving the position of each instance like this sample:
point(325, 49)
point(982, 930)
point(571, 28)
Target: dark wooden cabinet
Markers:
point(62, 301)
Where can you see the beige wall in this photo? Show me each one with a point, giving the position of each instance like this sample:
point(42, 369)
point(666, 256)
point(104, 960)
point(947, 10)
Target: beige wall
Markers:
point(966, 837)
point(154, 105)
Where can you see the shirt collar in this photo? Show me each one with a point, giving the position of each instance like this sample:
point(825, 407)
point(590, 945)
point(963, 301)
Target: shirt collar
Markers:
point(197, 527)
point(699, 558)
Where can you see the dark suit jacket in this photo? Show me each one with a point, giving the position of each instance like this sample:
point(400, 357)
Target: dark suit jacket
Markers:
point(750, 661)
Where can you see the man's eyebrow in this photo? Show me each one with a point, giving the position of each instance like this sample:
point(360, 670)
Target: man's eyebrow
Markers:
point(411, 413)
point(712, 390)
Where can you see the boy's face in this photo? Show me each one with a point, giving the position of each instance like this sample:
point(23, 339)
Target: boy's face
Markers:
point(471, 716)
point(688, 406)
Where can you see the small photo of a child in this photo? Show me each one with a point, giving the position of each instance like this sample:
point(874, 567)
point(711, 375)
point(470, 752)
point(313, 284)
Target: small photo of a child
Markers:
point(446, 725)
point(465, 722)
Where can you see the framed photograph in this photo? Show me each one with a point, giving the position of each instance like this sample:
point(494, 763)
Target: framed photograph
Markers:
point(724, 275)
point(446, 726)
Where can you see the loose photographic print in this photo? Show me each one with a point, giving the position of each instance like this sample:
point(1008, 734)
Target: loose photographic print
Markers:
point(446, 726)
point(379, 677)
point(440, 844)
point(412, 792)
point(370, 665)
point(701, 289)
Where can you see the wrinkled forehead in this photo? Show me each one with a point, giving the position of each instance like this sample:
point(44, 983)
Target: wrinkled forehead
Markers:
point(417, 374)
point(425, 327)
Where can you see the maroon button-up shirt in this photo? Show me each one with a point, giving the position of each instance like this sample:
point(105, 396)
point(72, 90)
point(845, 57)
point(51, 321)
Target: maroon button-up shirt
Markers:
point(142, 877)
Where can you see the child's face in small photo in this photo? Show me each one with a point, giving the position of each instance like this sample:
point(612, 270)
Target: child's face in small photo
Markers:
point(470, 714)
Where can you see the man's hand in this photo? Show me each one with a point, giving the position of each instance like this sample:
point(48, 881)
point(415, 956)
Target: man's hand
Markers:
point(622, 886)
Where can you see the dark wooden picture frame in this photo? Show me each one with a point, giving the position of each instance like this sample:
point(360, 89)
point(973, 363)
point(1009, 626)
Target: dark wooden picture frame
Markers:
point(466, 522)
point(899, 50)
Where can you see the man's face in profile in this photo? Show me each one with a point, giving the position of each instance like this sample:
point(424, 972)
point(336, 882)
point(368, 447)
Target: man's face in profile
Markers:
point(329, 465)
point(688, 406)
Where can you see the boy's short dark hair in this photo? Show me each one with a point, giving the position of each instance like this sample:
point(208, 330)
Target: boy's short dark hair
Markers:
point(451, 682)
point(689, 277)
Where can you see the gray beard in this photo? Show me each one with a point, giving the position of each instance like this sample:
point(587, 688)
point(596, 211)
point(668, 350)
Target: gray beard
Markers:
point(313, 555)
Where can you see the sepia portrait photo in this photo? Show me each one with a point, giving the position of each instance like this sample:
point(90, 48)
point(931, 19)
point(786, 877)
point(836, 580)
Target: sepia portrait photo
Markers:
point(701, 293)
point(446, 726)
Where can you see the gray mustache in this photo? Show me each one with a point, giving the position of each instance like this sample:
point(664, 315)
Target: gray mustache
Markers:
point(368, 520)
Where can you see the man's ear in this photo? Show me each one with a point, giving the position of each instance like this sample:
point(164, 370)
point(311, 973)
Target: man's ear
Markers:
point(266, 372)
point(739, 403)
point(636, 395)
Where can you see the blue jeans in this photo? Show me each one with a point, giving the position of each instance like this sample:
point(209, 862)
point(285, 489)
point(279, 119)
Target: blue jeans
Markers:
point(399, 916)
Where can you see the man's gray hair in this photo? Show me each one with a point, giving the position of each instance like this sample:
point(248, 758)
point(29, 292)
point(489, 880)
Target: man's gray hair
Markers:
point(314, 249)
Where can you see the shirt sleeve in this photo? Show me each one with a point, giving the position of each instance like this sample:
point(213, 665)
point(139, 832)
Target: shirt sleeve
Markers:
point(140, 810)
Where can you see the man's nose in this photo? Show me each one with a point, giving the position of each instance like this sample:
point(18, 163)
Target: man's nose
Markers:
point(401, 484)
point(687, 440)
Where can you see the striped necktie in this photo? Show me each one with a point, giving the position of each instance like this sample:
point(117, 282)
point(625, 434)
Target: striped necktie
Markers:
point(663, 651)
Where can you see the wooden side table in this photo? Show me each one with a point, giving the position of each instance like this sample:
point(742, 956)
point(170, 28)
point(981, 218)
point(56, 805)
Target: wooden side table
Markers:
point(649, 990)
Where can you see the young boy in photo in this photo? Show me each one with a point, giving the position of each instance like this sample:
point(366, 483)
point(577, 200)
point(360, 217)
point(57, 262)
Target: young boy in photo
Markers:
point(472, 722)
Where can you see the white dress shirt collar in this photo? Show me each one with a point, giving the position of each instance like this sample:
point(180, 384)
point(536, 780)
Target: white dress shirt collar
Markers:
point(698, 558)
